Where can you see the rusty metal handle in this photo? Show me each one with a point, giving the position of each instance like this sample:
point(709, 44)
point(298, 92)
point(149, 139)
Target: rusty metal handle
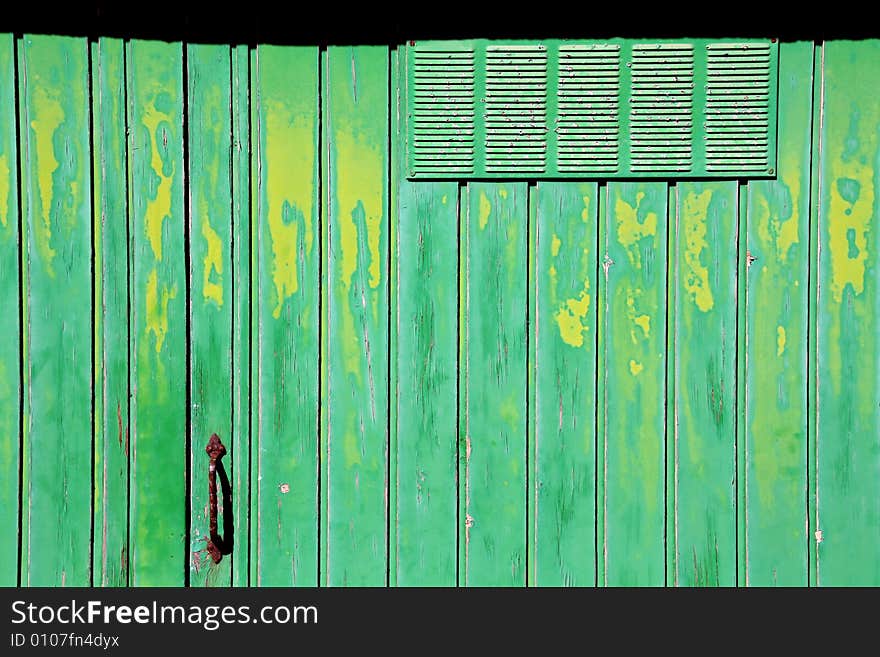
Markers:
point(216, 545)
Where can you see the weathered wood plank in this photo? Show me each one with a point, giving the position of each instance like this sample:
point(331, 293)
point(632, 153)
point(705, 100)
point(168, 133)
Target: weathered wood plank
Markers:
point(776, 327)
point(56, 209)
point(241, 309)
point(564, 484)
point(10, 299)
point(110, 552)
point(286, 342)
point(158, 315)
point(495, 249)
point(634, 388)
point(426, 394)
point(848, 343)
point(356, 117)
point(210, 242)
point(704, 453)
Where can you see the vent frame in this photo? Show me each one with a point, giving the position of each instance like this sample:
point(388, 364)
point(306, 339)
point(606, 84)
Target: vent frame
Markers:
point(593, 103)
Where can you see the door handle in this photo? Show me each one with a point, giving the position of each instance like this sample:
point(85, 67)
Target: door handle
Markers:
point(218, 545)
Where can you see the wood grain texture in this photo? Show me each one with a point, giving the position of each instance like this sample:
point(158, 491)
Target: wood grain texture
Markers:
point(776, 341)
point(356, 101)
point(159, 554)
point(493, 471)
point(111, 272)
point(427, 385)
point(848, 343)
point(56, 211)
point(704, 451)
point(287, 296)
point(564, 483)
point(211, 283)
point(10, 300)
point(634, 384)
point(241, 310)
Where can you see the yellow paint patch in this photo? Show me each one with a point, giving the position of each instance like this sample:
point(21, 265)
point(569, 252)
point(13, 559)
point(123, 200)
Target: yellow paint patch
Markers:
point(213, 262)
point(4, 191)
point(555, 243)
point(48, 115)
point(585, 213)
point(502, 193)
point(780, 340)
point(157, 308)
point(350, 445)
point(787, 231)
point(158, 207)
point(849, 223)
point(696, 281)
point(641, 321)
point(359, 188)
point(509, 411)
point(290, 173)
point(635, 368)
point(570, 315)
point(360, 183)
point(485, 210)
point(630, 231)
point(444, 199)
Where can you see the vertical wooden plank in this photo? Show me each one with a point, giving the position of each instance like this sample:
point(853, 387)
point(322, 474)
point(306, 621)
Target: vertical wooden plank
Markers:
point(425, 327)
point(287, 309)
point(635, 366)
point(602, 324)
point(58, 379)
point(565, 376)
point(704, 426)
point(356, 116)
point(495, 360)
point(159, 302)
point(210, 243)
point(776, 328)
point(848, 422)
point(241, 297)
point(110, 552)
point(10, 381)
point(427, 383)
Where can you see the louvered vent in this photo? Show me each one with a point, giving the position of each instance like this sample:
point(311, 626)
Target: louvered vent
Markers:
point(662, 105)
point(737, 106)
point(516, 109)
point(666, 109)
point(443, 112)
point(588, 127)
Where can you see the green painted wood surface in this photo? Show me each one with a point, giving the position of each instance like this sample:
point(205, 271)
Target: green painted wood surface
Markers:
point(776, 357)
point(159, 551)
point(210, 274)
point(241, 310)
point(634, 388)
point(544, 439)
point(56, 212)
point(111, 277)
point(564, 485)
point(355, 94)
point(427, 385)
point(10, 301)
point(494, 416)
point(424, 382)
point(848, 340)
point(287, 295)
point(704, 449)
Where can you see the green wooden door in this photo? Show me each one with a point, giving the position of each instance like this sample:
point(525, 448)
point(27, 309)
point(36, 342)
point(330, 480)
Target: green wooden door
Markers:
point(472, 313)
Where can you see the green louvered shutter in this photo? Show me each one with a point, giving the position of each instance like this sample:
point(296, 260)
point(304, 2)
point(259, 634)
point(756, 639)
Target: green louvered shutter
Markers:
point(569, 109)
